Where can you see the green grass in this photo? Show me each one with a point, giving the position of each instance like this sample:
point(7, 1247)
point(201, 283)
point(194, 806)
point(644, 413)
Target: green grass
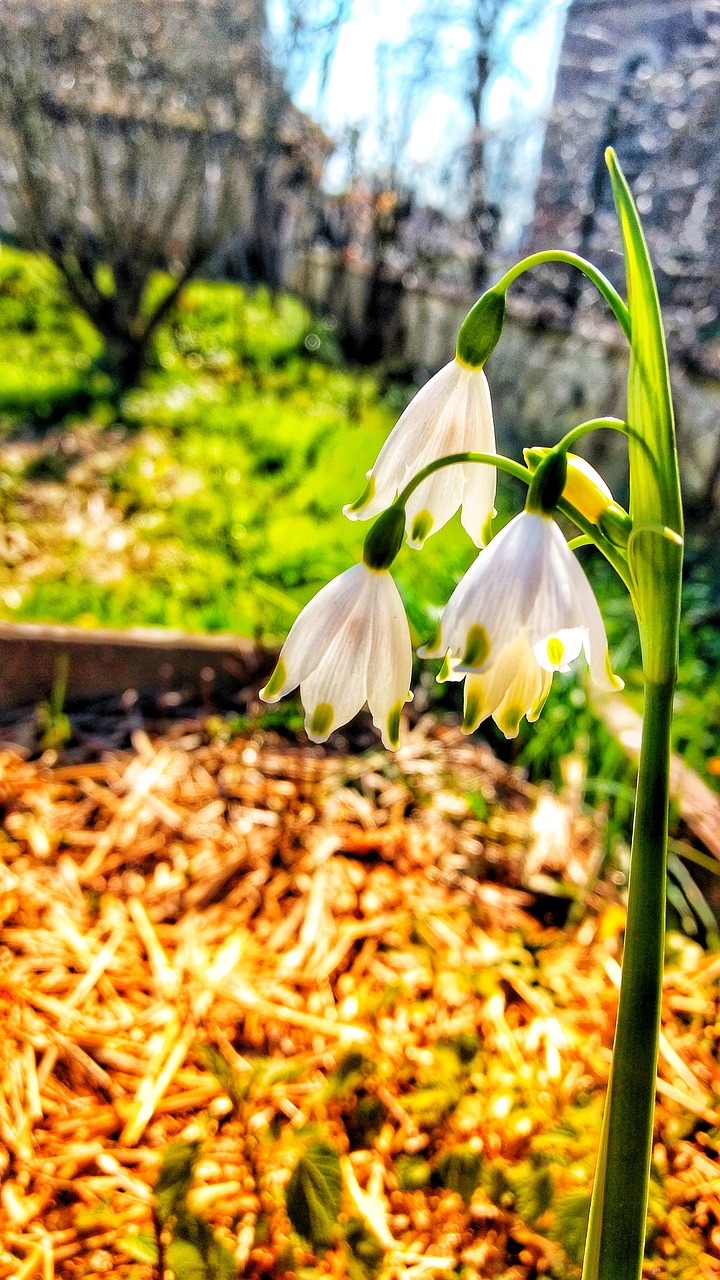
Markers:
point(216, 504)
point(219, 495)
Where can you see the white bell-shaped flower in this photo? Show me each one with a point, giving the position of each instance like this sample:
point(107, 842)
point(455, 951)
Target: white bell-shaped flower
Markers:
point(350, 645)
point(525, 586)
point(450, 414)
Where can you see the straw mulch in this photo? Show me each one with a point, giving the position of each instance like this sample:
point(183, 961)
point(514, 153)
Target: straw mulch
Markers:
point(347, 939)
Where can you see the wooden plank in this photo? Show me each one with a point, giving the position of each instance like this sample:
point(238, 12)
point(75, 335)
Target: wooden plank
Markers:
point(104, 662)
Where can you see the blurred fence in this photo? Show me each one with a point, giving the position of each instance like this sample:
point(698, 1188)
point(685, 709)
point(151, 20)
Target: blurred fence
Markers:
point(543, 380)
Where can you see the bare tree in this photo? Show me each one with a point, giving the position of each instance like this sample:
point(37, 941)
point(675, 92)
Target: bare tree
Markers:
point(138, 136)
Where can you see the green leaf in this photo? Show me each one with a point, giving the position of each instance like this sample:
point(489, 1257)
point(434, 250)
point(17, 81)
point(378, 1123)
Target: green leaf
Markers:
point(186, 1261)
point(534, 1190)
point(364, 1253)
point(350, 1072)
point(196, 1253)
point(314, 1194)
point(175, 1178)
point(432, 1102)
point(459, 1170)
point(571, 1220)
point(412, 1172)
point(655, 502)
point(142, 1247)
point(234, 1085)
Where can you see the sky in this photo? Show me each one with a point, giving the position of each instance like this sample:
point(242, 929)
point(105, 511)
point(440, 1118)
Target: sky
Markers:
point(442, 120)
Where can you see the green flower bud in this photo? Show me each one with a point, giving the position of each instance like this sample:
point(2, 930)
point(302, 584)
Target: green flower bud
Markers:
point(480, 330)
point(385, 539)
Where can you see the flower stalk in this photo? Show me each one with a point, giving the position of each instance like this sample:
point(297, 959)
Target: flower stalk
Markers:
point(616, 1233)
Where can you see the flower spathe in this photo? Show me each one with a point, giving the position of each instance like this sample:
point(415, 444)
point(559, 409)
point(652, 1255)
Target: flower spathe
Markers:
point(452, 413)
point(523, 610)
point(350, 645)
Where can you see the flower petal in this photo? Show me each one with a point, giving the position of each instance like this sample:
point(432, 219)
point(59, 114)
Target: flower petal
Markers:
point(511, 688)
point(308, 637)
point(497, 593)
point(390, 663)
point(566, 616)
point(337, 687)
point(399, 457)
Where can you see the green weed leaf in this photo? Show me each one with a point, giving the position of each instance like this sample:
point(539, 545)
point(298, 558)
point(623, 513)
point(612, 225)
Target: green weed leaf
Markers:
point(459, 1170)
point(234, 1085)
point(175, 1178)
point(141, 1247)
point(196, 1253)
point(314, 1194)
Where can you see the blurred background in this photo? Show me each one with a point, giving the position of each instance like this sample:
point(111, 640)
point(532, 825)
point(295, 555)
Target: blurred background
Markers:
point(237, 235)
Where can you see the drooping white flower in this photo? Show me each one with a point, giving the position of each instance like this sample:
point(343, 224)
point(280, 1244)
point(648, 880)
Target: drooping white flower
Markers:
point(512, 687)
point(350, 645)
point(523, 610)
point(450, 414)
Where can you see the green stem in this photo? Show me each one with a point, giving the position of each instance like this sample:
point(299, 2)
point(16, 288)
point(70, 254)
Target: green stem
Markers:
point(591, 531)
point(593, 424)
point(601, 282)
point(616, 1234)
point(490, 459)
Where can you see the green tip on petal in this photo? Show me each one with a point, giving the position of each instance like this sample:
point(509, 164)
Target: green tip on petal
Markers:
point(365, 497)
point(276, 681)
point(534, 713)
point(477, 646)
point(615, 681)
point(445, 671)
point(555, 651)
point(508, 720)
point(486, 533)
point(473, 711)
point(434, 643)
point(421, 526)
point(321, 719)
point(393, 725)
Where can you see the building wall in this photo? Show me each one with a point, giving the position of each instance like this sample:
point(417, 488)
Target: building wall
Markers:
point(644, 77)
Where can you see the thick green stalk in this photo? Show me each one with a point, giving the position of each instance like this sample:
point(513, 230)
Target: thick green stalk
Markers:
point(616, 1233)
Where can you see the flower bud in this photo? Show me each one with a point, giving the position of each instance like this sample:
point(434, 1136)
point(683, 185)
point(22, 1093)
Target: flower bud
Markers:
point(385, 538)
point(586, 490)
point(480, 330)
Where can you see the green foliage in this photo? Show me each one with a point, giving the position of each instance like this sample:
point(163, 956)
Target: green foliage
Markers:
point(351, 1071)
point(194, 1252)
point(533, 1189)
point(222, 486)
point(572, 1211)
point(175, 1178)
point(412, 1172)
point(141, 1247)
point(364, 1255)
point(313, 1196)
point(459, 1170)
point(234, 1085)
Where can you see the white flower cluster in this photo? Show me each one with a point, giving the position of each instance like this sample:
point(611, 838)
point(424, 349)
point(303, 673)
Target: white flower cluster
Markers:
point(523, 610)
